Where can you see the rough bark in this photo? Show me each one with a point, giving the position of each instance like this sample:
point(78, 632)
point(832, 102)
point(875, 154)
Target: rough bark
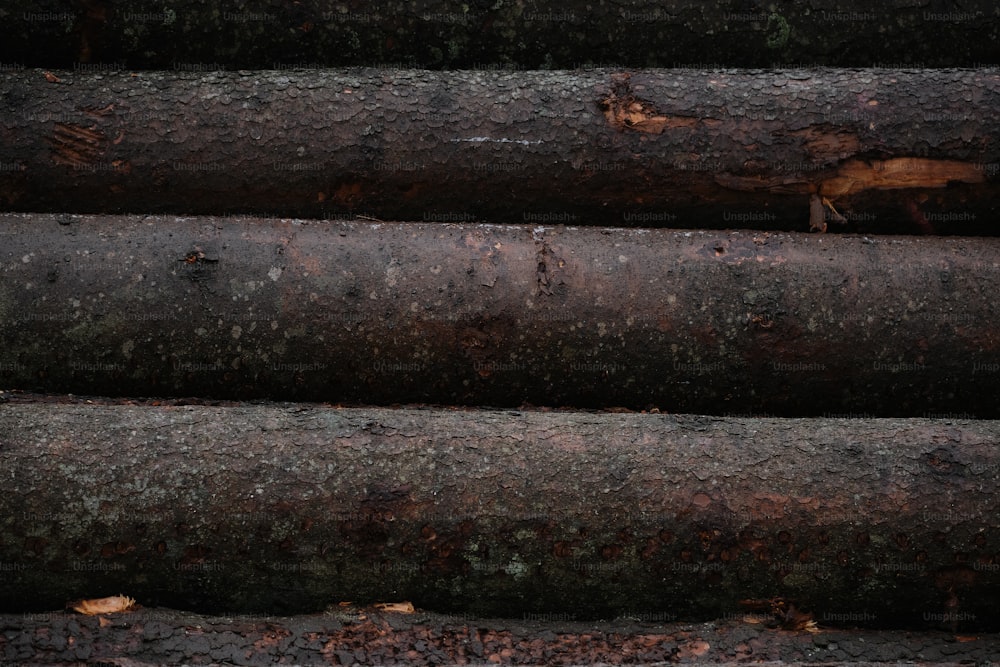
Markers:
point(290, 508)
point(369, 637)
point(654, 148)
point(705, 322)
point(541, 34)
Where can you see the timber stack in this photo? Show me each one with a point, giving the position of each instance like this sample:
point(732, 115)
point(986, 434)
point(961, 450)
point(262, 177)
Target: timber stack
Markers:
point(390, 306)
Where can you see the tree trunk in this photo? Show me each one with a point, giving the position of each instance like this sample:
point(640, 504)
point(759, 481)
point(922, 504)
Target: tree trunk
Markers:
point(706, 322)
point(541, 34)
point(292, 508)
point(885, 150)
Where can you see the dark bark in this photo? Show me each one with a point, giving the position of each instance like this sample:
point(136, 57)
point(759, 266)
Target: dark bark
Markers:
point(891, 150)
point(541, 34)
point(291, 508)
point(706, 322)
point(370, 637)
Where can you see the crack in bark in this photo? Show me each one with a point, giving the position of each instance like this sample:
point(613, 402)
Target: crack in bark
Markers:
point(542, 277)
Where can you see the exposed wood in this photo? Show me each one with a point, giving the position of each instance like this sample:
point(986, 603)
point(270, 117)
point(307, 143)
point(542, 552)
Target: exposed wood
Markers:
point(292, 508)
point(856, 176)
point(654, 148)
point(538, 34)
point(706, 322)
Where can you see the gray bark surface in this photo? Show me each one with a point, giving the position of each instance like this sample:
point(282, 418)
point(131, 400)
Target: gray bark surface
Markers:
point(290, 508)
point(361, 312)
point(891, 150)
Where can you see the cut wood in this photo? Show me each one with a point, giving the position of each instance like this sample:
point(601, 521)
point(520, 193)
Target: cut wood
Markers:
point(707, 322)
point(540, 34)
point(285, 509)
point(883, 149)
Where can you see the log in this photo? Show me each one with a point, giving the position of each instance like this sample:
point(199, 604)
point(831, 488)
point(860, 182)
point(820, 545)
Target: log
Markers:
point(541, 34)
point(360, 312)
point(887, 150)
point(291, 508)
point(369, 636)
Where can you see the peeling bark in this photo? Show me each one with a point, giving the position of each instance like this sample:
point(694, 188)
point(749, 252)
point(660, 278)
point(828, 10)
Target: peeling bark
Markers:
point(540, 34)
point(663, 148)
point(285, 509)
point(706, 322)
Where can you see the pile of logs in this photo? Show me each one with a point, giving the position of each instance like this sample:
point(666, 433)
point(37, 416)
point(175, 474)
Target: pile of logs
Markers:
point(501, 342)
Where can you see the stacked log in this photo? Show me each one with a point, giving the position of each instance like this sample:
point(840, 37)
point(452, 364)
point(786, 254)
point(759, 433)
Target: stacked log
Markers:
point(544, 34)
point(276, 509)
point(486, 340)
point(886, 151)
point(463, 314)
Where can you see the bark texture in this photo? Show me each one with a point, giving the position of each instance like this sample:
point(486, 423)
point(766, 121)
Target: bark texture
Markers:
point(704, 322)
point(367, 636)
point(290, 508)
point(540, 34)
point(654, 148)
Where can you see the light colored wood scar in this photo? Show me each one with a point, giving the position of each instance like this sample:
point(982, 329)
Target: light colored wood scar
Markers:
point(898, 173)
point(624, 111)
point(904, 172)
point(639, 116)
point(855, 176)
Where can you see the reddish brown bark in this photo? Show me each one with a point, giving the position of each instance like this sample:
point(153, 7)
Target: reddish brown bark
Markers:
point(287, 509)
point(368, 636)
